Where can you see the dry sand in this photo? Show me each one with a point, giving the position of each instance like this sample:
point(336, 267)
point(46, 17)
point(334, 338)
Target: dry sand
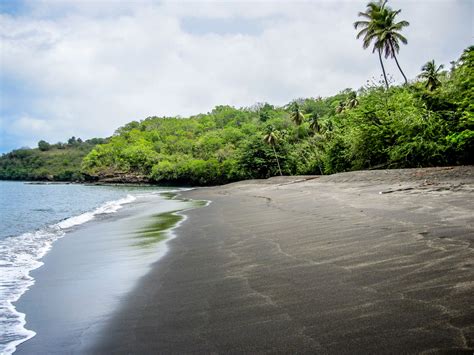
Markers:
point(373, 262)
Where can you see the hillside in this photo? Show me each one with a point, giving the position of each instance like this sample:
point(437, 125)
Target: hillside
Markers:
point(427, 122)
point(52, 162)
point(413, 125)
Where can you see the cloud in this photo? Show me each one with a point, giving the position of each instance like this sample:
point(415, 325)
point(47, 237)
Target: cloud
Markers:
point(90, 67)
point(26, 123)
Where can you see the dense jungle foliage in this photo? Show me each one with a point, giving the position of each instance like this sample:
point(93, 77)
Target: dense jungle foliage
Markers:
point(405, 126)
point(427, 122)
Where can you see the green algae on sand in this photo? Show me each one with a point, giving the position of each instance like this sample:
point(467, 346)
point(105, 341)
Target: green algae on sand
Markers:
point(161, 223)
point(156, 231)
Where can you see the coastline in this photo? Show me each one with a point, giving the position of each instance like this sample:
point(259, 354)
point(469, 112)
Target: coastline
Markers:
point(85, 274)
point(360, 262)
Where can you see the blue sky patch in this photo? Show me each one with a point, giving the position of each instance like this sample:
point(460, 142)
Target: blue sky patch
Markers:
point(12, 7)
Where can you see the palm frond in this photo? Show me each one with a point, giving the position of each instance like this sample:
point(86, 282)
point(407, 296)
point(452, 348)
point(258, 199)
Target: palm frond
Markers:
point(363, 14)
point(358, 24)
point(362, 32)
point(403, 24)
point(400, 37)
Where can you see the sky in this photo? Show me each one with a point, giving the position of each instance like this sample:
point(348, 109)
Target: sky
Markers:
point(84, 68)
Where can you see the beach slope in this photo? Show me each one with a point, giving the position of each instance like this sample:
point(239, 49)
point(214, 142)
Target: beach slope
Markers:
point(360, 262)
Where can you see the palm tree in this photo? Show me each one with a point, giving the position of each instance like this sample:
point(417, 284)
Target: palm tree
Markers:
point(352, 100)
point(370, 28)
point(314, 122)
point(340, 107)
point(389, 36)
point(296, 115)
point(381, 28)
point(271, 138)
point(430, 72)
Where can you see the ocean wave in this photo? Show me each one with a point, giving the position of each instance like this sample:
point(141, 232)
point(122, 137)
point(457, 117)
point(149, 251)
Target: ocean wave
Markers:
point(20, 255)
point(106, 208)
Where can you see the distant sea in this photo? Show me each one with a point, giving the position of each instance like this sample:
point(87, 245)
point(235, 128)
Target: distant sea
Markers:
point(34, 216)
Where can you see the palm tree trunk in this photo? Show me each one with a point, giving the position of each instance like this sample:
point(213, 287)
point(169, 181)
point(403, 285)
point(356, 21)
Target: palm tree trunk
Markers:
point(383, 68)
point(398, 65)
point(276, 156)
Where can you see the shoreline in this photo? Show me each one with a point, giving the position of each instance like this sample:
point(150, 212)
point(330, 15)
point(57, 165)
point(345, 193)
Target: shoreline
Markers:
point(57, 276)
point(23, 253)
point(135, 183)
point(369, 261)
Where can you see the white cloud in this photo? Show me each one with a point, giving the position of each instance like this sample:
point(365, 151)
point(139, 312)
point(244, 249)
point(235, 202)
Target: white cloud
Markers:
point(97, 65)
point(30, 124)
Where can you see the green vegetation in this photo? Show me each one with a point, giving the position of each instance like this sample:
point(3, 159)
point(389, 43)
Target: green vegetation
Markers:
point(431, 73)
point(405, 126)
point(156, 230)
point(54, 162)
point(426, 122)
point(271, 138)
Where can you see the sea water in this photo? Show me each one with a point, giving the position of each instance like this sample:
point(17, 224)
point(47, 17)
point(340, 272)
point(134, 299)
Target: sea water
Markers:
point(32, 218)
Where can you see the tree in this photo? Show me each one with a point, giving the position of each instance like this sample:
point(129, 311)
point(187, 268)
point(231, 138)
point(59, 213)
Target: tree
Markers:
point(44, 146)
point(296, 115)
point(271, 138)
point(389, 37)
point(352, 100)
point(430, 72)
point(370, 28)
point(265, 112)
point(314, 122)
point(341, 106)
point(381, 28)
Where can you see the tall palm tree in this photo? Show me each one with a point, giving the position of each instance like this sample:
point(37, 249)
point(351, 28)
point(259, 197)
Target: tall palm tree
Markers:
point(369, 28)
point(430, 72)
point(314, 122)
point(296, 115)
point(271, 138)
point(381, 28)
point(389, 37)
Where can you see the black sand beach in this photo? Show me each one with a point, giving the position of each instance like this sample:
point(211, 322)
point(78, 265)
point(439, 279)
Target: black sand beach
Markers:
point(362, 262)
point(88, 273)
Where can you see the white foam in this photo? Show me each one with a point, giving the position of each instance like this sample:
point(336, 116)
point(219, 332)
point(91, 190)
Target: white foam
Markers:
point(106, 208)
point(18, 257)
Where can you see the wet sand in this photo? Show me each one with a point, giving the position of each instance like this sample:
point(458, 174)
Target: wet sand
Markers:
point(88, 273)
point(355, 263)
